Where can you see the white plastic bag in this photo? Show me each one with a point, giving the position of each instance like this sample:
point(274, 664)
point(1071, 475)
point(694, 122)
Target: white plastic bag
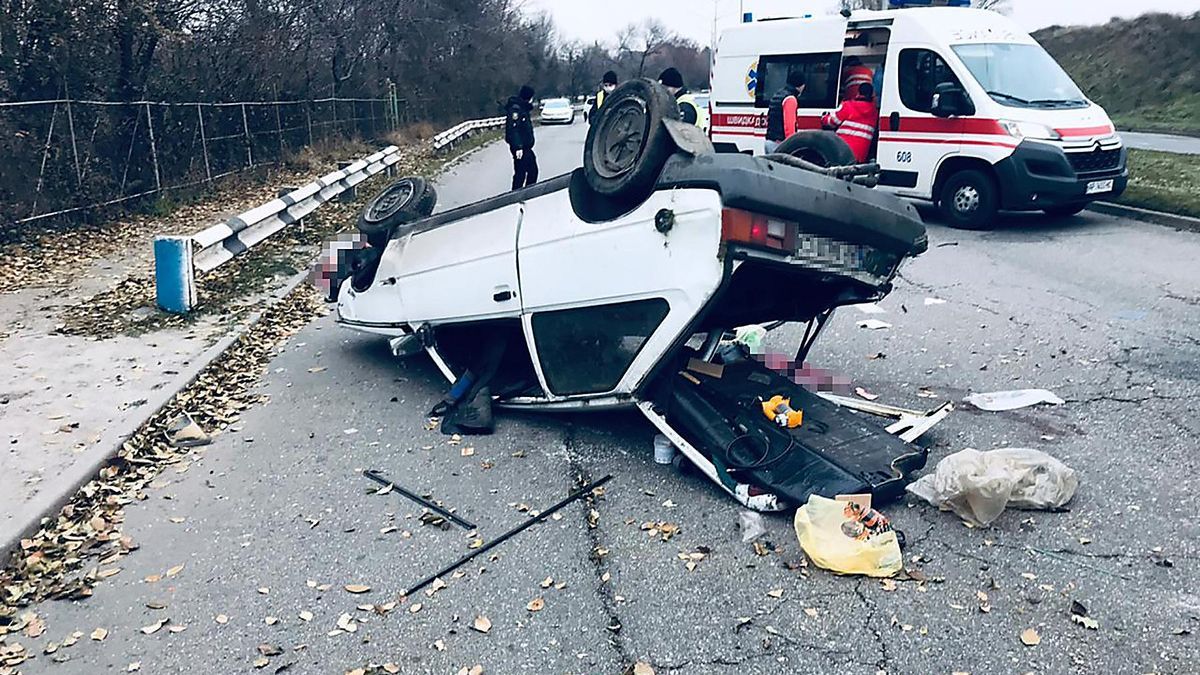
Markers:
point(752, 525)
point(979, 485)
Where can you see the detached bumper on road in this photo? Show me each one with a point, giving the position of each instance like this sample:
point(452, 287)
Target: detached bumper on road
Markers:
point(1039, 176)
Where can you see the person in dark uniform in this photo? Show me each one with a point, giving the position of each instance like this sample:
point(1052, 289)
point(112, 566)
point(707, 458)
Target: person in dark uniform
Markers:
point(781, 113)
point(518, 133)
point(689, 110)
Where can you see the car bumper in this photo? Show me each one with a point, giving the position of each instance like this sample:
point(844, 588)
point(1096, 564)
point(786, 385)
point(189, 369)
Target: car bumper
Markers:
point(557, 119)
point(1039, 176)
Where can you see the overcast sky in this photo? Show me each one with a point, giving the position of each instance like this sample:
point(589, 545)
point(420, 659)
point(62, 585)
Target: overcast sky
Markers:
point(589, 20)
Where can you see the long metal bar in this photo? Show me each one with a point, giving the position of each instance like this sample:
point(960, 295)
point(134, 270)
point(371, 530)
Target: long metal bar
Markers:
point(153, 148)
point(383, 480)
point(585, 490)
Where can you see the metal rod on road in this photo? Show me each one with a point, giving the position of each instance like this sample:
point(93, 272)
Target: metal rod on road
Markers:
point(382, 480)
point(585, 490)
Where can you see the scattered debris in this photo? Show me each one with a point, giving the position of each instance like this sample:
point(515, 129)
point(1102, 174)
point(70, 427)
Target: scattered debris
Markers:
point(934, 301)
point(185, 433)
point(848, 538)
point(752, 525)
point(154, 627)
point(865, 394)
point(536, 605)
point(1079, 615)
point(999, 401)
point(1030, 637)
point(435, 508)
point(482, 624)
point(979, 485)
point(873, 324)
point(356, 588)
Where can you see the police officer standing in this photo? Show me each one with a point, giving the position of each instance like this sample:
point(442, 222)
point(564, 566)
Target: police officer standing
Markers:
point(518, 133)
point(689, 111)
point(781, 113)
point(607, 85)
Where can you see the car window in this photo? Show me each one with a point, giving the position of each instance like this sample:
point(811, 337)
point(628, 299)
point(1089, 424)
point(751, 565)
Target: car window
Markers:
point(587, 350)
point(921, 70)
point(820, 78)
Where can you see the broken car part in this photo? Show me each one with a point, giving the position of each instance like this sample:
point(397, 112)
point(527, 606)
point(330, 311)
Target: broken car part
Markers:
point(581, 492)
point(382, 480)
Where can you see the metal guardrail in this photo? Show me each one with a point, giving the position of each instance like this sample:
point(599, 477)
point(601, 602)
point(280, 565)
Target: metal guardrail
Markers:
point(178, 260)
point(449, 136)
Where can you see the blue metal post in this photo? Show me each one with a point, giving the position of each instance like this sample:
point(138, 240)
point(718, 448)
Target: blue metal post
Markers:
point(174, 276)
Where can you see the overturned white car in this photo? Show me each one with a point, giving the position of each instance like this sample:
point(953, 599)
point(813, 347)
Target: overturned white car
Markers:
point(618, 284)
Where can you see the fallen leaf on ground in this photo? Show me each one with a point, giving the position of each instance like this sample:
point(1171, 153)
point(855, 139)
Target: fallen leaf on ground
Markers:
point(482, 624)
point(467, 452)
point(133, 667)
point(888, 584)
point(547, 582)
point(306, 615)
point(641, 668)
point(414, 608)
point(439, 645)
point(263, 590)
point(356, 588)
point(267, 649)
point(776, 593)
point(271, 620)
point(174, 570)
point(177, 628)
point(391, 668)
point(261, 662)
point(346, 623)
point(811, 611)
point(99, 634)
point(1030, 637)
point(536, 605)
point(153, 628)
point(221, 619)
point(865, 394)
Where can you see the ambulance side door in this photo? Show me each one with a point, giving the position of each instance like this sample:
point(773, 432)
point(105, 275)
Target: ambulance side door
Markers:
point(913, 142)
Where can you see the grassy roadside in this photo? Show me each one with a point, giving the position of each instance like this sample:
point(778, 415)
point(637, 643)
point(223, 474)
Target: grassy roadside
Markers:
point(1163, 181)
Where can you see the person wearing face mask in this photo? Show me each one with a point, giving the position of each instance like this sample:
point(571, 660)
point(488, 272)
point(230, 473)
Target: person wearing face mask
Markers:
point(607, 85)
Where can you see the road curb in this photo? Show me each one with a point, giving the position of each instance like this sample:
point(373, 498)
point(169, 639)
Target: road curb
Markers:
point(1146, 215)
point(29, 516)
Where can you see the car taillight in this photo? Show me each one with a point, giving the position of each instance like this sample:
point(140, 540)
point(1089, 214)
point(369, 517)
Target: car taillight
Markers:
point(755, 229)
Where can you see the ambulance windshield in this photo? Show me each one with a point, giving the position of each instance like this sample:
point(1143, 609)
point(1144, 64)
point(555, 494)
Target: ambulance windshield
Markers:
point(1021, 75)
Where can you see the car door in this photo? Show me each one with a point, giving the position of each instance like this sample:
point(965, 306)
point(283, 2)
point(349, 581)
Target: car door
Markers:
point(912, 141)
point(461, 270)
point(603, 301)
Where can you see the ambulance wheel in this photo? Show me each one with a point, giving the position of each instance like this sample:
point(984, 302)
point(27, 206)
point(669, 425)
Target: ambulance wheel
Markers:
point(1064, 210)
point(823, 148)
point(408, 199)
point(627, 144)
point(970, 200)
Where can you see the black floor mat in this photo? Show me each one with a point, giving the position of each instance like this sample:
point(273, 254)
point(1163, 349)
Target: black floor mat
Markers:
point(835, 451)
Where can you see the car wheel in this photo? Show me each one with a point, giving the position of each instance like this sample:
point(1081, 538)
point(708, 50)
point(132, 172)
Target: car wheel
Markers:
point(823, 148)
point(969, 200)
point(627, 143)
point(1064, 210)
point(408, 199)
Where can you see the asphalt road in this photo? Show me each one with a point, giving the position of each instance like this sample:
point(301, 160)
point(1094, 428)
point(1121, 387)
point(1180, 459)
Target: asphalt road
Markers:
point(1184, 145)
point(1102, 311)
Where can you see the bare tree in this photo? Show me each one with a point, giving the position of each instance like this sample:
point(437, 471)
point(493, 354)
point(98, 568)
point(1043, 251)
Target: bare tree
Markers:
point(638, 42)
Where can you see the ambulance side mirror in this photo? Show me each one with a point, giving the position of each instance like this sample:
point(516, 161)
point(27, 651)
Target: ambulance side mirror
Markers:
point(950, 100)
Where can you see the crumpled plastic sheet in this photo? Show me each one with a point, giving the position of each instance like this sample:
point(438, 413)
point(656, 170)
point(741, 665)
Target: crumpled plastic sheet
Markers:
point(998, 401)
point(752, 525)
point(978, 486)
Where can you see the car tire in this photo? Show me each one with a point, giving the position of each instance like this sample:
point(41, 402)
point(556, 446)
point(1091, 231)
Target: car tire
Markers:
point(627, 144)
point(1064, 210)
point(969, 200)
point(408, 199)
point(823, 148)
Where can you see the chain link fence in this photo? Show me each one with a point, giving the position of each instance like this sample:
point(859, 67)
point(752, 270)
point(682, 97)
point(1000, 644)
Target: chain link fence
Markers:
point(63, 157)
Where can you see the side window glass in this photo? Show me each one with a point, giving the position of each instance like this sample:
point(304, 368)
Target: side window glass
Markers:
point(587, 350)
point(921, 70)
point(820, 78)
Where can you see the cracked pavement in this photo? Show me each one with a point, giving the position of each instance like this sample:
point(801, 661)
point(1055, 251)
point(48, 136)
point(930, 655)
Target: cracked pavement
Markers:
point(1088, 307)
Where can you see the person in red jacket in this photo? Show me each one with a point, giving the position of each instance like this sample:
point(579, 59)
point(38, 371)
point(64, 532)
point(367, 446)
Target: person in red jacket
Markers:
point(855, 122)
point(854, 75)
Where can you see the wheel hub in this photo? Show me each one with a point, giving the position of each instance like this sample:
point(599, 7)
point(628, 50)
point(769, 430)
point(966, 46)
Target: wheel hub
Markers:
point(620, 139)
point(390, 201)
point(966, 199)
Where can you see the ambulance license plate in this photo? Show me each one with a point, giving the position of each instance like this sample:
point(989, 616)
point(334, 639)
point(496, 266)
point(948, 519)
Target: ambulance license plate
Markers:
point(1097, 186)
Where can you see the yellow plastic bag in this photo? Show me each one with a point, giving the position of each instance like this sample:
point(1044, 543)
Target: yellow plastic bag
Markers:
point(844, 537)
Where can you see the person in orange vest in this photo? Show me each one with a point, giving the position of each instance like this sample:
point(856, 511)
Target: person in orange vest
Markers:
point(855, 121)
point(854, 75)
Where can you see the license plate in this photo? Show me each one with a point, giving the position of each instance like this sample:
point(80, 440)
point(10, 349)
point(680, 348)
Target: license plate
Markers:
point(1098, 186)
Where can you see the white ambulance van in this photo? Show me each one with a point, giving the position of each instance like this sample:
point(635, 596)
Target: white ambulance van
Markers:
point(974, 115)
